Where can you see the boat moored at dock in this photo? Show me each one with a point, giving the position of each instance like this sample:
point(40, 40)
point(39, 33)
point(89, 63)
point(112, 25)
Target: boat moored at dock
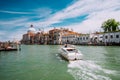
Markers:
point(9, 46)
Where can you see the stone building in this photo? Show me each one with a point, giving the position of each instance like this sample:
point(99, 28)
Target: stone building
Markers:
point(83, 39)
point(111, 38)
point(34, 37)
point(53, 34)
point(69, 37)
point(62, 36)
point(28, 38)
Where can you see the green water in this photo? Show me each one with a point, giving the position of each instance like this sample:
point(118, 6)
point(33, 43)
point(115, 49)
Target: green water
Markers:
point(42, 62)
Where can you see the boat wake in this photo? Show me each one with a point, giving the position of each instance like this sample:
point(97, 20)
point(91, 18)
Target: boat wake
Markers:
point(88, 70)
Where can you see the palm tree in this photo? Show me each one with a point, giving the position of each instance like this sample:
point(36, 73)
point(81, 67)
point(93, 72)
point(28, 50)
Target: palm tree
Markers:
point(110, 25)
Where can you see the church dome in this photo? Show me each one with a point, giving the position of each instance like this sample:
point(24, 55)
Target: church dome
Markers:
point(31, 29)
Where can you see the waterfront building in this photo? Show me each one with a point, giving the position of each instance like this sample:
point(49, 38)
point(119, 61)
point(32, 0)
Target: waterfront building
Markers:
point(83, 39)
point(31, 37)
point(41, 38)
point(46, 38)
point(69, 37)
point(25, 39)
point(54, 36)
point(96, 38)
point(117, 37)
point(111, 38)
point(64, 35)
point(28, 38)
point(38, 36)
point(31, 33)
point(99, 38)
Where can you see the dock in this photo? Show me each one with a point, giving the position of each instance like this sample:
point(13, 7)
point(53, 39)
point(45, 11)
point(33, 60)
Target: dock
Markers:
point(9, 46)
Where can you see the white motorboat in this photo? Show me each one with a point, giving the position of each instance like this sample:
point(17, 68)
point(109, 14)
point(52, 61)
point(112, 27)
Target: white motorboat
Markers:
point(71, 53)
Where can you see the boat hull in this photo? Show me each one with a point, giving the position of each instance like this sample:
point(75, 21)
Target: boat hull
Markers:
point(71, 56)
point(8, 49)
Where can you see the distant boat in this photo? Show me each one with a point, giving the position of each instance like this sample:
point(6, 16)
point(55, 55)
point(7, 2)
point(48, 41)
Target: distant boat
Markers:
point(13, 47)
point(71, 53)
point(9, 49)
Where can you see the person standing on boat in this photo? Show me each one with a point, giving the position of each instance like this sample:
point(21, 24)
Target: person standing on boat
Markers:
point(65, 45)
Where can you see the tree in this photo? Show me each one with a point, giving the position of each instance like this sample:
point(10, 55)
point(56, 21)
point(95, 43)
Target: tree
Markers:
point(110, 25)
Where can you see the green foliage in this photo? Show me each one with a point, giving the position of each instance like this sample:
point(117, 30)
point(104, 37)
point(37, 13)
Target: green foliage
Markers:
point(110, 25)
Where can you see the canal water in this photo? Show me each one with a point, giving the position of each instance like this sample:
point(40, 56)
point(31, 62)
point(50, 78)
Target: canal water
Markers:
point(43, 62)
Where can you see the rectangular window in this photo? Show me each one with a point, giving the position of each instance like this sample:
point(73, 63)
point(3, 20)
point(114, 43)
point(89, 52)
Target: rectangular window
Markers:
point(111, 36)
point(83, 38)
point(106, 37)
point(117, 36)
point(86, 38)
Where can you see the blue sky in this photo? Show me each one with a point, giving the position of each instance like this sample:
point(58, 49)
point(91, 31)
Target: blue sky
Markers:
point(83, 16)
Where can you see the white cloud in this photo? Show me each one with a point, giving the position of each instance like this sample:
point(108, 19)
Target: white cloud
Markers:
point(84, 7)
point(12, 29)
point(11, 35)
point(94, 21)
point(14, 12)
point(42, 12)
point(98, 11)
point(2, 33)
point(14, 22)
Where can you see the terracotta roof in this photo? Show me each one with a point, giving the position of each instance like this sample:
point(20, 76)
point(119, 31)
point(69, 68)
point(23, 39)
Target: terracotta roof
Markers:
point(46, 34)
point(71, 33)
point(53, 30)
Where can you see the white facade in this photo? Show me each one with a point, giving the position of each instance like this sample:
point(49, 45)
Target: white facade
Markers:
point(83, 39)
point(113, 37)
point(96, 38)
point(26, 37)
point(71, 38)
point(117, 37)
point(99, 38)
point(31, 29)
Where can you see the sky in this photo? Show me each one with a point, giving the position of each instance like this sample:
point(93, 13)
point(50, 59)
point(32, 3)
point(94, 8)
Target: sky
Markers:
point(83, 16)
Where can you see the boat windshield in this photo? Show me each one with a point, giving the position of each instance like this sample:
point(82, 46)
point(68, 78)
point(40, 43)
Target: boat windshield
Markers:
point(72, 50)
